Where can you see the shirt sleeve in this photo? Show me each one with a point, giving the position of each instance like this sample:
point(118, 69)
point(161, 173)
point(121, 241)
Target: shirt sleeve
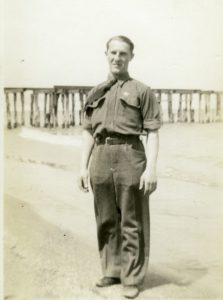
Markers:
point(151, 110)
point(87, 114)
point(87, 122)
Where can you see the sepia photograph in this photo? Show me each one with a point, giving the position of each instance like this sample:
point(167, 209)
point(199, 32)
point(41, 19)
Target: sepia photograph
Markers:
point(111, 149)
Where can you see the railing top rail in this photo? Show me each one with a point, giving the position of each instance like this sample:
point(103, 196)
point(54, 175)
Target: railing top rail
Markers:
point(13, 89)
point(39, 89)
point(73, 87)
point(180, 91)
point(61, 88)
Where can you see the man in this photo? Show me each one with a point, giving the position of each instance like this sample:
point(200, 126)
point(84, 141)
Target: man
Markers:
point(122, 171)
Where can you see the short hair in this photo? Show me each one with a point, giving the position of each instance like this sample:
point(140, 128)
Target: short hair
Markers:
point(121, 38)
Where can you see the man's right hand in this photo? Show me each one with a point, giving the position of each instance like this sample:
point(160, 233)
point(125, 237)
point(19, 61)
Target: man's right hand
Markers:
point(83, 181)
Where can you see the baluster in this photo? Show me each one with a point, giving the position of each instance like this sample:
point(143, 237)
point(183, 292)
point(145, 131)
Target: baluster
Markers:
point(218, 107)
point(67, 114)
point(55, 102)
point(170, 106)
point(199, 107)
point(34, 110)
point(9, 122)
point(179, 112)
point(185, 108)
point(23, 109)
point(37, 110)
point(81, 111)
point(49, 110)
point(207, 107)
point(189, 102)
point(45, 114)
point(73, 109)
point(63, 106)
point(31, 109)
point(15, 109)
point(212, 108)
point(192, 109)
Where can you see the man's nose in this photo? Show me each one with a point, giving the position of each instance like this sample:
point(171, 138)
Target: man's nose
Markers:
point(117, 56)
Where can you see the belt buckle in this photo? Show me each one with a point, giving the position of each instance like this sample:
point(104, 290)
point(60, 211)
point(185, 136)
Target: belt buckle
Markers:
point(107, 139)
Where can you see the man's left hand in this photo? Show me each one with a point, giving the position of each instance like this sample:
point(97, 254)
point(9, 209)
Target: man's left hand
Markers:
point(148, 181)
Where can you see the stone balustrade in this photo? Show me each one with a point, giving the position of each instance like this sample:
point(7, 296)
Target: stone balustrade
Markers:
point(63, 106)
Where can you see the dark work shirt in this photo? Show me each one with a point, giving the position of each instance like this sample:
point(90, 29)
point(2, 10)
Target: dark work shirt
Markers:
point(129, 107)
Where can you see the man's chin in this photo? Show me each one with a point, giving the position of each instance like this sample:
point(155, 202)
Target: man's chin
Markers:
point(116, 72)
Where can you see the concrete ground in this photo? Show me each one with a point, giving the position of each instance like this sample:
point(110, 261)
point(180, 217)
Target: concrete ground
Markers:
point(49, 226)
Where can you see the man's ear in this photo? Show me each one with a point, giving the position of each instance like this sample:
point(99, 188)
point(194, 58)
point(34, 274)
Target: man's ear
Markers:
point(132, 56)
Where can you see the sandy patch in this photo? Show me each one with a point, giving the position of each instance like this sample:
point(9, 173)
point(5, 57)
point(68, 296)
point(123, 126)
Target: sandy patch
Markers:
point(50, 233)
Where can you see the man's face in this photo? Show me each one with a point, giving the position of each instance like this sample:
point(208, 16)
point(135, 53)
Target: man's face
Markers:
point(119, 55)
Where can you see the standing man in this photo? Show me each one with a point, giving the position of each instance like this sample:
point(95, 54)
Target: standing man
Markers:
point(122, 171)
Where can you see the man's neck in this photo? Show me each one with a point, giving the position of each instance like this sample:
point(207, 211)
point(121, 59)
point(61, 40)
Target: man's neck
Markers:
point(122, 76)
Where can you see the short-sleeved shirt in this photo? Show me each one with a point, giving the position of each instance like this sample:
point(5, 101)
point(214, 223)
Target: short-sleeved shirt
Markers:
point(129, 107)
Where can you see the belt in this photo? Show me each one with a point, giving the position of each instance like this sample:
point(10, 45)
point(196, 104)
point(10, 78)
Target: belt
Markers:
point(116, 139)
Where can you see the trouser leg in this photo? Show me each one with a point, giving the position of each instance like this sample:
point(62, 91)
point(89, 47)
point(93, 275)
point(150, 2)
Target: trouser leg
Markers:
point(107, 214)
point(135, 221)
point(108, 229)
point(135, 234)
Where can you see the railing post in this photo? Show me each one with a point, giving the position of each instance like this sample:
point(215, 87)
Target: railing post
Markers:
point(37, 110)
point(199, 107)
point(207, 107)
point(9, 122)
point(179, 112)
point(81, 112)
point(54, 100)
point(23, 109)
point(67, 116)
point(45, 115)
point(218, 107)
point(31, 109)
point(170, 106)
point(188, 108)
point(63, 106)
point(15, 109)
point(184, 117)
point(190, 113)
point(51, 112)
point(73, 109)
point(192, 109)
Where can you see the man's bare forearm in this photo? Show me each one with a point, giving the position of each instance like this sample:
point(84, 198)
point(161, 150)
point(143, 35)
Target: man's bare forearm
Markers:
point(148, 180)
point(152, 149)
point(88, 143)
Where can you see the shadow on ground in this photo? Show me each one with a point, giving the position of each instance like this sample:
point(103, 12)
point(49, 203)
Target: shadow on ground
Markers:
point(169, 274)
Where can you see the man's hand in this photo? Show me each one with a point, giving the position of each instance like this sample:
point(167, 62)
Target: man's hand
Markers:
point(83, 181)
point(148, 181)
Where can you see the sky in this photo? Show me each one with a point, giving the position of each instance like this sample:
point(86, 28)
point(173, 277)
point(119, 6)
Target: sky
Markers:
point(178, 43)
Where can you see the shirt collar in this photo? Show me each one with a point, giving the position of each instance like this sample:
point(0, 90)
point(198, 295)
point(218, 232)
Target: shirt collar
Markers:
point(121, 79)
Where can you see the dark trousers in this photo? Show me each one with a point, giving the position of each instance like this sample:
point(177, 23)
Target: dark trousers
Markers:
point(122, 210)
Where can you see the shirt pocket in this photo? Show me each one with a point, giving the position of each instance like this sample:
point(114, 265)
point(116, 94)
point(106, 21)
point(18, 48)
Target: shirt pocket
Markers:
point(91, 108)
point(130, 109)
point(96, 111)
point(131, 101)
point(96, 103)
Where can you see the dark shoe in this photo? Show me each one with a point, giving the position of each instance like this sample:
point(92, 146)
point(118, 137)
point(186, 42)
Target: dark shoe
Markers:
point(107, 281)
point(130, 291)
